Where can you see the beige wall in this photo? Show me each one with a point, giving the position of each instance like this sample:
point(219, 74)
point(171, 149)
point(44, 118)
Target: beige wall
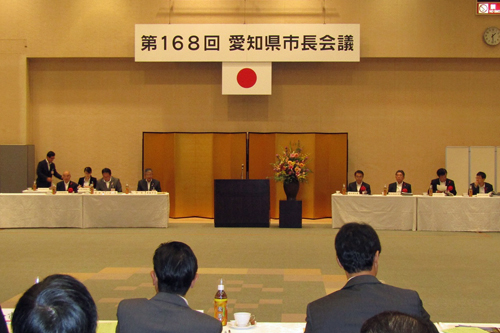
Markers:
point(426, 80)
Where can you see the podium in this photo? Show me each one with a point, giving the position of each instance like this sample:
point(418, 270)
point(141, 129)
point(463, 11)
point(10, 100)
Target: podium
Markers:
point(290, 214)
point(242, 203)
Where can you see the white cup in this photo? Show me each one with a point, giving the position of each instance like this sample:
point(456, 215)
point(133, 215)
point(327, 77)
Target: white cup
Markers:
point(242, 318)
point(337, 192)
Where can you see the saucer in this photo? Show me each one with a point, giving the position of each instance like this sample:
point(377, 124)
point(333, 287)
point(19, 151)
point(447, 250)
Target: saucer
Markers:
point(232, 325)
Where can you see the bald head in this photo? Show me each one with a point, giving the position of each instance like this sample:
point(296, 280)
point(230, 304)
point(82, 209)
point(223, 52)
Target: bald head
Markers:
point(66, 176)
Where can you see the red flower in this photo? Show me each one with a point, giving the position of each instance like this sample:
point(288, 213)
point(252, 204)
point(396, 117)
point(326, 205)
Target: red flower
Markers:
point(70, 190)
point(363, 188)
point(404, 190)
point(450, 188)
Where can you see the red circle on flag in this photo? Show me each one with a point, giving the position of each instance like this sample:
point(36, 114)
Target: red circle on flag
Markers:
point(246, 77)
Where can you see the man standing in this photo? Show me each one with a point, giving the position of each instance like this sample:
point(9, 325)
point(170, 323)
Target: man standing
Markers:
point(359, 185)
point(46, 170)
point(175, 271)
point(358, 251)
point(107, 183)
point(480, 186)
point(148, 183)
point(443, 180)
point(400, 186)
point(66, 184)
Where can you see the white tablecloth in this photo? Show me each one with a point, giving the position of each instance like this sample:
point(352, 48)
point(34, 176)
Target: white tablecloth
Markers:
point(40, 210)
point(125, 211)
point(458, 214)
point(381, 212)
point(83, 211)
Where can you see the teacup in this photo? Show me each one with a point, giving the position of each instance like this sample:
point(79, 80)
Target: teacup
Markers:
point(242, 318)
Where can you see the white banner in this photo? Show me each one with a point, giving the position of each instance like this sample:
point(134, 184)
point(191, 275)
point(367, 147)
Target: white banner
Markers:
point(247, 42)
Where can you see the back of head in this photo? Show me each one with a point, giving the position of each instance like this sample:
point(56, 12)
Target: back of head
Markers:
point(395, 322)
point(175, 267)
point(356, 245)
point(60, 304)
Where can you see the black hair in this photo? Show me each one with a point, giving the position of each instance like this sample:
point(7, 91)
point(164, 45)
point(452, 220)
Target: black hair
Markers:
point(442, 172)
point(106, 170)
point(88, 169)
point(359, 171)
point(356, 245)
point(175, 266)
point(59, 303)
point(51, 154)
point(481, 174)
point(401, 172)
point(395, 322)
point(148, 169)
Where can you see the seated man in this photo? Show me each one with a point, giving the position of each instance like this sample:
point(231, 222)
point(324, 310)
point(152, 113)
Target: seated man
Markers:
point(358, 251)
point(46, 170)
point(359, 185)
point(148, 183)
point(66, 184)
point(443, 180)
point(59, 303)
point(107, 183)
point(175, 271)
point(480, 186)
point(396, 322)
point(400, 186)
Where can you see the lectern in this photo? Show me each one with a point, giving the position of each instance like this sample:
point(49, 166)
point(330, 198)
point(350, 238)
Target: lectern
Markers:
point(242, 203)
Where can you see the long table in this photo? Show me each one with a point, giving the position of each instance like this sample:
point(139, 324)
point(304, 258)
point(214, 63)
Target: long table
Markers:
point(381, 212)
point(83, 211)
point(418, 212)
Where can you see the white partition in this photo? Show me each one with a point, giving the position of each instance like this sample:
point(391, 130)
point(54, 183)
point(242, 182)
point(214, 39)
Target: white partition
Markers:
point(483, 159)
point(457, 165)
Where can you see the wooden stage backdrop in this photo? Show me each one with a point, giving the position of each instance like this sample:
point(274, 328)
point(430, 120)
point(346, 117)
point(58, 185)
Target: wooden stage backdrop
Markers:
point(186, 164)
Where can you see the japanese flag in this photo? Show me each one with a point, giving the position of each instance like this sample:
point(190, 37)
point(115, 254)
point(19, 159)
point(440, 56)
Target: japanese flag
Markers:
point(246, 78)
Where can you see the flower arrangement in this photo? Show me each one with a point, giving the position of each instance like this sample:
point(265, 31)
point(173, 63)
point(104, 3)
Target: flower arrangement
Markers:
point(290, 165)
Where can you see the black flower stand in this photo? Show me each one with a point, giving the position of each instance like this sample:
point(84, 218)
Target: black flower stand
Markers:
point(290, 214)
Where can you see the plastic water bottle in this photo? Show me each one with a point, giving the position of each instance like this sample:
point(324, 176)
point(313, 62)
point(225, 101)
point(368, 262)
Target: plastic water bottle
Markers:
point(220, 304)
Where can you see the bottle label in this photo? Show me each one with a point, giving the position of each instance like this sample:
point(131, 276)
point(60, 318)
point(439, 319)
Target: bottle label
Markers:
point(220, 310)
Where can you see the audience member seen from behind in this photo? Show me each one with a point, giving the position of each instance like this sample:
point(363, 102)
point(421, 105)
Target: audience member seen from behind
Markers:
point(67, 184)
point(87, 180)
point(400, 186)
point(480, 186)
point(59, 303)
point(358, 252)
point(108, 183)
point(359, 185)
point(175, 271)
point(148, 183)
point(3, 324)
point(444, 181)
point(396, 322)
point(46, 170)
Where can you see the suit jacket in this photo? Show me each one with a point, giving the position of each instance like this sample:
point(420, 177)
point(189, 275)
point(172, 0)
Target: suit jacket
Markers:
point(3, 324)
point(394, 186)
point(93, 180)
point(165, 313)
point(487, 188)
point(60, 186)
point(449, 182)
point(43, 172)
point(142, 185)
point(361, 298)
point(353, 188)
point(101, 185)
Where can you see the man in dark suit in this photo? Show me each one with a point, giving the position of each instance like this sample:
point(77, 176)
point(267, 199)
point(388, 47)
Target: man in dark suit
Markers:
point(358, 251)
point(400, 186)
point(3, 324)
point(66, 184)
point(480, 186)
point(46, 170)
point(107, 183)
point(148, 183)
point(443, 180)
point(175, 271)
point(359, 185)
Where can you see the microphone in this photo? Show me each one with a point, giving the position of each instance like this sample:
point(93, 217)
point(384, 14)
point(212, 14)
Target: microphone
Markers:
point(242, 166)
